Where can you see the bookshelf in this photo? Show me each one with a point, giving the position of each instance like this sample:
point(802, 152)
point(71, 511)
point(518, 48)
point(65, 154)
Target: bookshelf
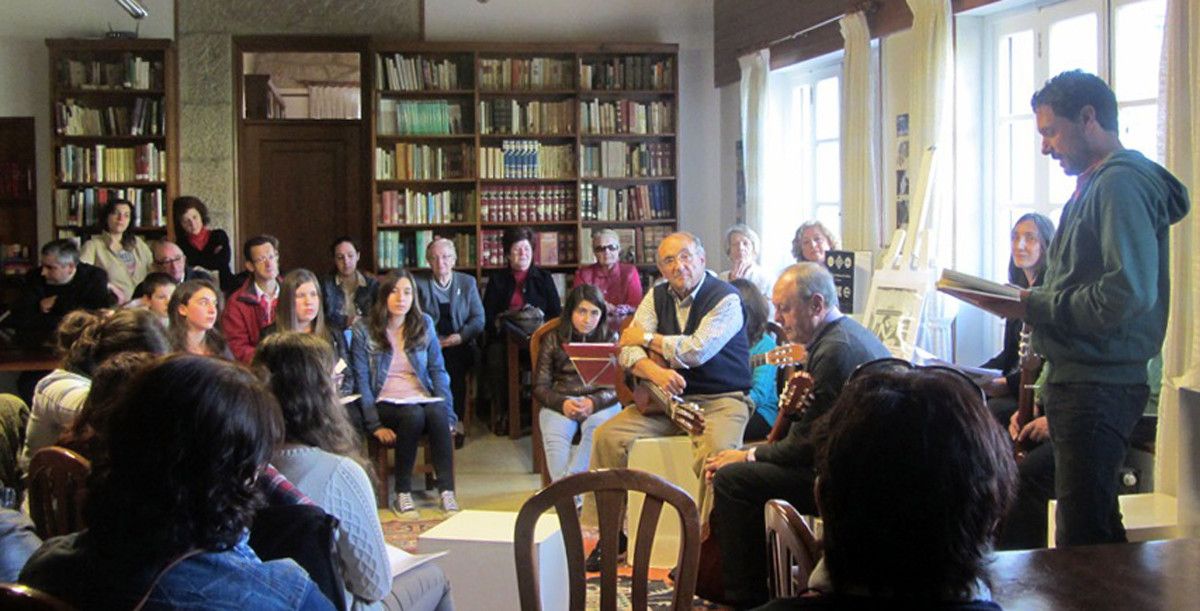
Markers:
point(472, 138)
point(18, 204)
point(113, 131)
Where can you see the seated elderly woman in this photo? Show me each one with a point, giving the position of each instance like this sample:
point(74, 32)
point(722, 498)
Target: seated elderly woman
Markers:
point(742, 246)
point(813, 239)
point(618, 282)
point(168, 511)
point(933, 487)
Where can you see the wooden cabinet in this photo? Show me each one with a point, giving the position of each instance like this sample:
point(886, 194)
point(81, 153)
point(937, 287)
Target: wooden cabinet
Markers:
point(113, 131)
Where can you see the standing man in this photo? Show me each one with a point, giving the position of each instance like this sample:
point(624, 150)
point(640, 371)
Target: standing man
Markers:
point(62, 284)
point(452, 299)
point(694, 322)
point(1101, 312)
point(806, 306)
point(252, 306)
point(347, 293)
point(170, 260)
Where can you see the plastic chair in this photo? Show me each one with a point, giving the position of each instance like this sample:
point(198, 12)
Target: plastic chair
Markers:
point(57, 485)
point(792, 550)
point(611, 487)
point(16, 597)
point(539, 450)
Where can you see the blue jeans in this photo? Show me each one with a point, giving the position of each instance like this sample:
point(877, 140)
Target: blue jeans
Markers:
point(1090, 426)
point(557, 432)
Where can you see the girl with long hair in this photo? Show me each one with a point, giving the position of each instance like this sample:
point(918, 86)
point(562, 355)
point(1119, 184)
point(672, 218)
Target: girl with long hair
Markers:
point(300, 309)
point(408, 395)
point(195, 308)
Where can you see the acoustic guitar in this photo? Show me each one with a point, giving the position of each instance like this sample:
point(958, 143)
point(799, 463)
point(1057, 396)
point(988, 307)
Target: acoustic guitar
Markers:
point(1031, 367)
point(793, 401)
point(787, 354)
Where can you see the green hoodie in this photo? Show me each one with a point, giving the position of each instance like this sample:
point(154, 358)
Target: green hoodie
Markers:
point(1101, 312)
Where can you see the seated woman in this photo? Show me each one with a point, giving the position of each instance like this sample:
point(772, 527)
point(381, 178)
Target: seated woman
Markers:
point(108, 382)
point(118, 250)
point(742, 248)
point(569, 405)
point(195, 309)
point(812, 241)
point(398, 368)
point(299, 309)
point(203, 247)
point(1031, 237)
point(938, 479)
point(168, 511)
point(618, 282)
point(321, 456)
point(763, 392)
point(60, 395)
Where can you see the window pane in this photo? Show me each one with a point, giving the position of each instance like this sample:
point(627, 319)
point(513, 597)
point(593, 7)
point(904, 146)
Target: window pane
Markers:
point(828, 109)
point(1073, 44)
point(1024, 156)
point(1061, 185)
point(1138, 49)
point(1020, 72)
point(830, 216)
point(1139, 129)
point(827, 173)
point(1004, 162)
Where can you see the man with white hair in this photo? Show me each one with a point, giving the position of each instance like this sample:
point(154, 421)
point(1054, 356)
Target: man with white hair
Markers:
point(170, 260)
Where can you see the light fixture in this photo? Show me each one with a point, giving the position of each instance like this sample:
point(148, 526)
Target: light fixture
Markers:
point(134, 8)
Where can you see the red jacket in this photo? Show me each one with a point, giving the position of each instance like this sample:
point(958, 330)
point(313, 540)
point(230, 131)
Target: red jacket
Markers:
point(244, 320)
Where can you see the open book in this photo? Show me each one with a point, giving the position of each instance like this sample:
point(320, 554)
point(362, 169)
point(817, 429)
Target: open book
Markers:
point(981, 375)
point(954, 283)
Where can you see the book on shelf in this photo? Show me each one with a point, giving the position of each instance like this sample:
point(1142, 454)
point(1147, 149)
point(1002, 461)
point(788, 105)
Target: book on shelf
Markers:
point(516, 117)
point(545, 250)
point(626, 159)
point(525, 73)
point(143, 118)
point(958, 283)
point(415, 206)
point(632, 203)
point(625, 117)
point(410, 161)
point(101, 163)
point(128, 72)
point(81, 206)
point(526, 203)
point(650, 237)
point(627, 239)
point(527, 159)
point(420, 118)
point(630, 72)
point(16, 180)
point(397, 72)
point(586, 255)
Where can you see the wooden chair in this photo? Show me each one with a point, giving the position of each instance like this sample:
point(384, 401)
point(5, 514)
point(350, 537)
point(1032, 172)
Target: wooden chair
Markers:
point(611, 488)
point(539, 450)
point(792, 550)
point(57, 486)
point(16, 597)
point(379, 454)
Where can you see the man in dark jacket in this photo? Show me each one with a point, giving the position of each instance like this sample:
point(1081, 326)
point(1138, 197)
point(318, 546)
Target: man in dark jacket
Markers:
point(1101, 312)
point(61, 285)
point(346, 294)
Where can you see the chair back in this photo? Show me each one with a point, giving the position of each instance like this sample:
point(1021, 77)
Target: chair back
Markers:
point(57, 486)
point(539, 448)
point(792, 550)
point(611, 488)
point(16, 597)
point(535, 342)
point(308, 535)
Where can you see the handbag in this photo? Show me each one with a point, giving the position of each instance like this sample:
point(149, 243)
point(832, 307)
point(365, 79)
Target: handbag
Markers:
point(523, 321)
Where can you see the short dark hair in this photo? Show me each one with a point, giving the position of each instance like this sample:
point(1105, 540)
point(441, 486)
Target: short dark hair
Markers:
point(64, 250)
point(128, 238)
point(181, 205)
point(579, 293)
point(1067, 94)
point(754, 304)
point(935, 484)
point(153, 280)
point(259, 240)
point(186, 441)
point(512, 235)
point(339, 240)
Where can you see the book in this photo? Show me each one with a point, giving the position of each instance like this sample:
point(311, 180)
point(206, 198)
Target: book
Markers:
point(954, 282)
point(596, 363)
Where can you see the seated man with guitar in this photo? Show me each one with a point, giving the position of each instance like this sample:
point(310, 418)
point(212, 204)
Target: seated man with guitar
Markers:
point(806, 305)
point(694, 324)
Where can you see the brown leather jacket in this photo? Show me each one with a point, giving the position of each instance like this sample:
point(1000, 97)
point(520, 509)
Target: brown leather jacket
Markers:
point(556, 378)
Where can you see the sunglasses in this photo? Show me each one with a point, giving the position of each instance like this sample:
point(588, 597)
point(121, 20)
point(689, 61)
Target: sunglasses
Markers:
point(895, 364)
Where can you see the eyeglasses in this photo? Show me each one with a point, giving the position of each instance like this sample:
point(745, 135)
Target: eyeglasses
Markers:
point(893, 364)
point(606, 248)
point(684, 257)
point(264, 259)
point(168, 261)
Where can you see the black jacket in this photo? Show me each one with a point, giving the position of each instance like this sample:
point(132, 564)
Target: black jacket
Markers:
point(539, 292)
point(87, 290)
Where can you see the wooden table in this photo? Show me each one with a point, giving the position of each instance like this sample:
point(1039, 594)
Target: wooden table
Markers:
point(1125, 576)
point(515, 342)
point(24, 359)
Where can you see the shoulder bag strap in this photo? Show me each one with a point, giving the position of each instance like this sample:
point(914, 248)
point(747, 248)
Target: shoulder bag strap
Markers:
point(157, 578)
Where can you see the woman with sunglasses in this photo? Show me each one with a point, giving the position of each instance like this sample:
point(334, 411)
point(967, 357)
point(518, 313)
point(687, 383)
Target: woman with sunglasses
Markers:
point(617, 281)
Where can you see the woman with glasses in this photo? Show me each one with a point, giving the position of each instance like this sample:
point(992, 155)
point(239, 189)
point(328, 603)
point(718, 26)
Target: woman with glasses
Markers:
point(195, 309)
point(118, 250)
point(207, 248)
point(813, 239)
point(617, 281)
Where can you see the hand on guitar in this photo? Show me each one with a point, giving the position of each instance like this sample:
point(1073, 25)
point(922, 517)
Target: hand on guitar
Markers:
point(1036, 431)
point(720, 459)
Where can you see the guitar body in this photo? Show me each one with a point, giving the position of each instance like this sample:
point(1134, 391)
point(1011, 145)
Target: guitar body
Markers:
point(650, 400)
point(1031, 368)
point(797, 392)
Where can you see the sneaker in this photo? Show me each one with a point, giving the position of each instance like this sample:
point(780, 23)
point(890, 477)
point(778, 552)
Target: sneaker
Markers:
point(449, 503)
point(592, 564)
point(403, 503)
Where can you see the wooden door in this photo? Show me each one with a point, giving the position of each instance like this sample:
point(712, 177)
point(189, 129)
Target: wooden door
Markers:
point(304, 183)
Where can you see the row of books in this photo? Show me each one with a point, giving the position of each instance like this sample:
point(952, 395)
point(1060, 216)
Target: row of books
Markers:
point(630, 72)
point(16, 180)
point(632, 203)
point(100, 163)
point(527, 159)
point(555, 248)
point(625, 159)
point(625, 117)
point(408, 161)
point(527, 203)
point(82, 206)
point(526, 74)
point(396, 250)
point(144, 118)
point(130, 72)
point(420, 117)
point(395, 72)
point(528, 117)
point(409, 206)
point(639, 245)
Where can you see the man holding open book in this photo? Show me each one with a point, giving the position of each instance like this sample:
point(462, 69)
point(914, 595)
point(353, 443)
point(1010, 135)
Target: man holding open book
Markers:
point(1101, 312)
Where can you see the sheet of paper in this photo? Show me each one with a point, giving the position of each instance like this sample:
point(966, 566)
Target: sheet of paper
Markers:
point(402, 561)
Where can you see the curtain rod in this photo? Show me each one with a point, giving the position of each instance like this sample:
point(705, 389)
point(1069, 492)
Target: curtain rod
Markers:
point(868, 7)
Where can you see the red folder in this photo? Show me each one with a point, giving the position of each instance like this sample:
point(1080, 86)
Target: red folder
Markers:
point(595, 363)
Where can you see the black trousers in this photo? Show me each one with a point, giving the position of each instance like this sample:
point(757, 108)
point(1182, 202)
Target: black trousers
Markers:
point(460, 359)
point(409, 420)
point(740, 491)
point(1026, 523)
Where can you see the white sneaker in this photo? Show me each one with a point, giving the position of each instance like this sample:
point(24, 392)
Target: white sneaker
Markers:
point(403, 503)
point(449, 503)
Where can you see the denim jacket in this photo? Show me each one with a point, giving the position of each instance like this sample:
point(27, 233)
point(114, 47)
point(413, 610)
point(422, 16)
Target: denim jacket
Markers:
point(75, 569)
point(371, 361)
point(333, 299)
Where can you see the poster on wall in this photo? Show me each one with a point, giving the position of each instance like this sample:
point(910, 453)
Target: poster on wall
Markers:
point(902, 176)
point(840, 264)
point(740, 196)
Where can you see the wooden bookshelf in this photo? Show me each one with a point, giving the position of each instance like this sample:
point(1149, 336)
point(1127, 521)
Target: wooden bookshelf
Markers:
point(114, 131)
point(18, 205)
point(520, 121)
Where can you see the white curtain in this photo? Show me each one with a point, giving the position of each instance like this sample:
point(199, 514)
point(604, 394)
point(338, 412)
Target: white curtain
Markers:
point(756, 68)
point(1179, 129)
point(860, 131)
point(325, 102)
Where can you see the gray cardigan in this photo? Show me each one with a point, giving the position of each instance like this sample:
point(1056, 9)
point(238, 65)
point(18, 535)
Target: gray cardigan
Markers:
point(466, 308)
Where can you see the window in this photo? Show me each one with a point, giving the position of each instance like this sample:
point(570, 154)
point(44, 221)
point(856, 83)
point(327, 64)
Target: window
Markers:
point(803, 177)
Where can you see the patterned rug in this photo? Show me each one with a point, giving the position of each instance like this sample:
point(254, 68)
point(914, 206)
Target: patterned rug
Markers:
point(403, 533)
